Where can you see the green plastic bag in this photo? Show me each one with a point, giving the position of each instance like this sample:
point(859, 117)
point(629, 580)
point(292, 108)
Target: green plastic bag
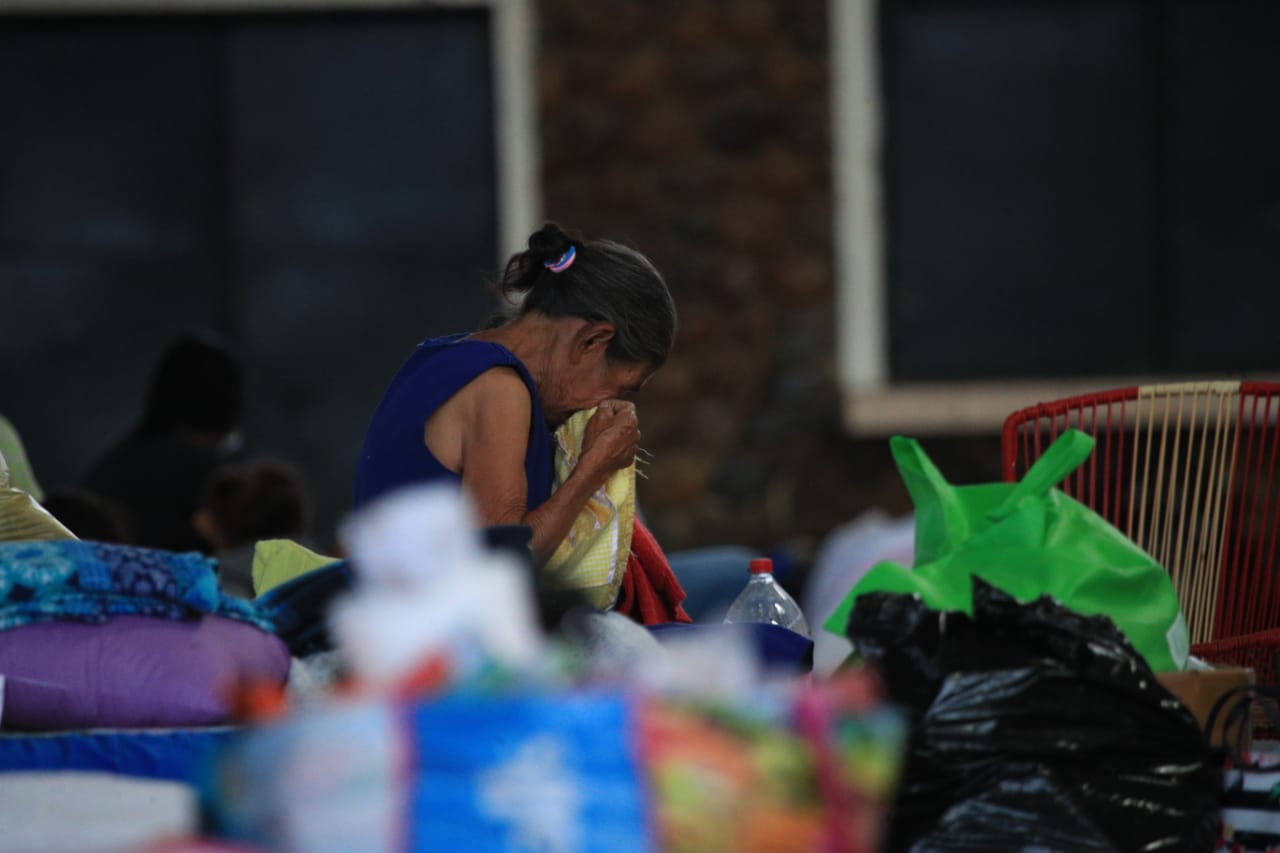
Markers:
point(1029, 539)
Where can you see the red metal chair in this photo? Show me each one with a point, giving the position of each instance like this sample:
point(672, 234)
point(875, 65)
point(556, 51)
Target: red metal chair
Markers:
point(1188, 471)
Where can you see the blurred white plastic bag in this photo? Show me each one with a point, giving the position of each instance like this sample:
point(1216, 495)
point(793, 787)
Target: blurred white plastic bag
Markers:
point(845, 556)
point(413, 536)
point(428, 588)
point(721, 664)
point(483, 615)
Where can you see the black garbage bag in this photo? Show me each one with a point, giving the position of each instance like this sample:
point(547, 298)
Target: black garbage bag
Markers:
point(1020, 693)
point(1032, 810)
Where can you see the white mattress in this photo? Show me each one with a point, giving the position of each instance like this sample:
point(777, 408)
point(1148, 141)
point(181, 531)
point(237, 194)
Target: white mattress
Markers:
point(53, 811)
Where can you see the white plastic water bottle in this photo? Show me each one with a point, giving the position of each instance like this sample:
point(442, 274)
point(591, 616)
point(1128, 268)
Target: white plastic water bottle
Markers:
point(764, 600)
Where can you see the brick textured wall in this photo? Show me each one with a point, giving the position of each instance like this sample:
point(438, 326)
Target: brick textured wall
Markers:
point(698, 132)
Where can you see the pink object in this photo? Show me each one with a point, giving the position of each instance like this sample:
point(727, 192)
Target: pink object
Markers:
point(564, 262)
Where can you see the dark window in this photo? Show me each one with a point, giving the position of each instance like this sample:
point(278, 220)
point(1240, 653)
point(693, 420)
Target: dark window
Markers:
point(1081, 189)
point(319, 187)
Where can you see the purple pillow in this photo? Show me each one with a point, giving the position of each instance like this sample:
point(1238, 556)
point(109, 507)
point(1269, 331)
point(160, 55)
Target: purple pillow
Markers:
point(131, 671)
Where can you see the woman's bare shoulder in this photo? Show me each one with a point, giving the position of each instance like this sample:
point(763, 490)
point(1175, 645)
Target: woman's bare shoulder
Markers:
point(499, 381)
point(499, 392)
point(493, 407)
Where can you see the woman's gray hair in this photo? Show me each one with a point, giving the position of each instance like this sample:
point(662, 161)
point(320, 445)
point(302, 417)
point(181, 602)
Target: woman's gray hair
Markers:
point(597, 280)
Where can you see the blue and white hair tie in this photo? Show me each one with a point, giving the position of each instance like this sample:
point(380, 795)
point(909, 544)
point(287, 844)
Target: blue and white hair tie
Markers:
point(563, 262)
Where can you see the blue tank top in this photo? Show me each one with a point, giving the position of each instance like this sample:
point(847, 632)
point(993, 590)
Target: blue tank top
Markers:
point(394, 453)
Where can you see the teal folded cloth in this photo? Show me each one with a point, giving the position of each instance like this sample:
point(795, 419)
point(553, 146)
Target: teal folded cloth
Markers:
point(92, 581)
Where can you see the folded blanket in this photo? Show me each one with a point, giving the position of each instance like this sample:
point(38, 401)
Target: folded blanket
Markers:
point(650, 593)
point(299, 608)
point(91, 581)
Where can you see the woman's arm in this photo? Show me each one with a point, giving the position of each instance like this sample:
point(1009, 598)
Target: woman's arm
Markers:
point(609, 443)
point(495, 409)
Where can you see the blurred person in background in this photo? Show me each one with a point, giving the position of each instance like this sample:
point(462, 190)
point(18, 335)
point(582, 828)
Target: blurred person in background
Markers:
point(596, 321)
point(243, 504)
point(156, 473)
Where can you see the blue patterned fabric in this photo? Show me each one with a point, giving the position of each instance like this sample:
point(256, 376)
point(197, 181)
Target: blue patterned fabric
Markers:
point(299, 608)
point(91, 581)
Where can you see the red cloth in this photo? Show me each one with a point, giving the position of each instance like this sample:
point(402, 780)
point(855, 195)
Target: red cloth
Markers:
point(650, 593)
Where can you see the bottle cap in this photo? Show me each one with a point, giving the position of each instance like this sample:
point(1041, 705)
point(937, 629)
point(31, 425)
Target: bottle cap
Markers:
point(762, 566)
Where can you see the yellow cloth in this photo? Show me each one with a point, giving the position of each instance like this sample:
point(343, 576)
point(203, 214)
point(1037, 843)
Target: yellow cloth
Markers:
point(22, 518)
point(15, 454)
point(278, 561)
point(593, 557)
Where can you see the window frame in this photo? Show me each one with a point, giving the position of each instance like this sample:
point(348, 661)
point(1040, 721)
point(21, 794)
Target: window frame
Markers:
point(872, 403)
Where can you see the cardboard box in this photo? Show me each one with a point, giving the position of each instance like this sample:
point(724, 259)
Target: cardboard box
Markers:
point(1199, 690)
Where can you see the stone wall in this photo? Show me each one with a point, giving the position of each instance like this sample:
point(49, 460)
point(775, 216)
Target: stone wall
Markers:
point(698, 132)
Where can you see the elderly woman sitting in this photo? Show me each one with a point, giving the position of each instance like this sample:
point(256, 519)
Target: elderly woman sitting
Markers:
point(596, 322)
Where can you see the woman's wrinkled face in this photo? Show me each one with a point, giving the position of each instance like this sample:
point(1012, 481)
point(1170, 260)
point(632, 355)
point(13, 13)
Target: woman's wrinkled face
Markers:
point(588, 383)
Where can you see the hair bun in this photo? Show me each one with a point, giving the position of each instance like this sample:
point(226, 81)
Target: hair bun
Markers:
point(551, 249)
point(549, 243)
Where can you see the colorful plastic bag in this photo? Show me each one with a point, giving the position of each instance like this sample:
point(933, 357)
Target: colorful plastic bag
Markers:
point(1028, 539)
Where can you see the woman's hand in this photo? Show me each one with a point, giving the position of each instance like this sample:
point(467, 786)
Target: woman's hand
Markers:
point(612, 437)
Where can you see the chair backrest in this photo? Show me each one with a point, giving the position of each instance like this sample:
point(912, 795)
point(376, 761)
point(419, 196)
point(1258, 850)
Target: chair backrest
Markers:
point(1188, 471)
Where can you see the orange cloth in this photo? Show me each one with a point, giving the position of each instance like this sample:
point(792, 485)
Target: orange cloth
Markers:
point(650, 593)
